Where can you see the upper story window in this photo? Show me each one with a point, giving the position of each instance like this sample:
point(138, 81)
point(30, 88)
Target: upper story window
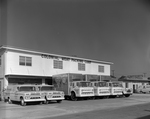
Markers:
point(0, 60)
point(58, 64)
point(81, 67)
point(101, 68)
point(25, 61)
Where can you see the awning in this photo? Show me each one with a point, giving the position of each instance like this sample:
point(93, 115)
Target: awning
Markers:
point(26, 76)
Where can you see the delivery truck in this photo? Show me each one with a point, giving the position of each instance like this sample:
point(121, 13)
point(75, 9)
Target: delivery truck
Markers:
point(101, 89)
point(117, 89)
point(73, 85)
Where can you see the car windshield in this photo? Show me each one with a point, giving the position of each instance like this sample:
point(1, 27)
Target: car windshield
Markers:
point(47, 88)
point(102, 84)
point(26, 88)
point(115, 84)
point(84, 84)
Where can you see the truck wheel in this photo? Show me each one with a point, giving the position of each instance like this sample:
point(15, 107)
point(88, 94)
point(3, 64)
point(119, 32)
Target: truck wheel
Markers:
point(59, 101)
point(46, 101)
point(141, 92)
point(22, 102)
point(9, 101)
point(5, 100)
point(73, 96)
point(127, 95)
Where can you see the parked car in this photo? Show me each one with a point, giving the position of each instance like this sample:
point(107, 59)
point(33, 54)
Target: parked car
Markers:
point(23, 94)
point(143, 89)
point(50, 93)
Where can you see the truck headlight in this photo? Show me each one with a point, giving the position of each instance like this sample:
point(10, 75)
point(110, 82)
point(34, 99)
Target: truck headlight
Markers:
point(27, 97)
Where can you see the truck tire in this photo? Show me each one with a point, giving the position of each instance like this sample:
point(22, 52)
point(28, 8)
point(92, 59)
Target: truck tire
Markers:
point(73, 96)
point(5, 100)
point(46, 101)
point(59, 101)
point(9, 101)
point(22, 102)
point(127, 95)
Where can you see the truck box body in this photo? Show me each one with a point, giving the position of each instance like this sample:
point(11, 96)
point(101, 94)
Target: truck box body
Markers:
point(89, 77)
point(62, 81)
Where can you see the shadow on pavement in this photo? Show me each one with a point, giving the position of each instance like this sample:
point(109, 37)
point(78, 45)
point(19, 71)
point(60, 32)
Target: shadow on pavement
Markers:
point(145, 117)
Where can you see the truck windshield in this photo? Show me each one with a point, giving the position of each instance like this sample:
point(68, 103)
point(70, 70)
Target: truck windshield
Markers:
point(84, 84)
point(46, 88)
point(27, 88)
point(117, 85)
point(102, 84)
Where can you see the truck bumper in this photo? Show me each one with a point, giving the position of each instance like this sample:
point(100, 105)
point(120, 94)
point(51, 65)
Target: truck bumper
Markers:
point(34, 100)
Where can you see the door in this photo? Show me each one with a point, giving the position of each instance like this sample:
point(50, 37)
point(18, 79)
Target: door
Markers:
point(133, 88)
point(0, 90)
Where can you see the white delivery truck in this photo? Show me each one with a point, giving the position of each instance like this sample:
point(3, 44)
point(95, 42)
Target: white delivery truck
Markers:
point(101, 89)
point(73, 85)
point(117, 89)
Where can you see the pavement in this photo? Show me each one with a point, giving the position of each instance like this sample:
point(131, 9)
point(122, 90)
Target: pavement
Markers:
point(15, 111)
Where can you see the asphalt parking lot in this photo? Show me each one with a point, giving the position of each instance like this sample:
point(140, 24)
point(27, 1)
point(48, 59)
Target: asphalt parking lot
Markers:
point(35, 111)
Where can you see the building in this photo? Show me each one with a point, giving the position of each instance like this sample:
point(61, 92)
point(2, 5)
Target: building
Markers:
point(134, 81)
point(32, 67)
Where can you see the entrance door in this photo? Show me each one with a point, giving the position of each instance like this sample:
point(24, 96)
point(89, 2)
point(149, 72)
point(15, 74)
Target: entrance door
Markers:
point(0, 90)
point(133, 88)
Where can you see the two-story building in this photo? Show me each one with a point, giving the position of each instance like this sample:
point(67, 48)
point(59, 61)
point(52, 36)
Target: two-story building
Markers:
point(20, 66)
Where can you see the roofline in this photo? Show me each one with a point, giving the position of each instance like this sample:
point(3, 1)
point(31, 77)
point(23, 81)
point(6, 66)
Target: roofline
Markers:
point(36, 52)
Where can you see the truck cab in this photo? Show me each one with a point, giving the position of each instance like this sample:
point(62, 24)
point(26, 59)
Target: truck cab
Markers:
point(80, 89)
point(116, 88)
point(101, 89)
point(50, 93)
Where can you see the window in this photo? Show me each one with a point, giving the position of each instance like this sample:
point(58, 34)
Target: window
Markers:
point(58, 64)
point(25, 61)
point(100, 68)
point(22, 60)
point(81, 67)
point(28, 61)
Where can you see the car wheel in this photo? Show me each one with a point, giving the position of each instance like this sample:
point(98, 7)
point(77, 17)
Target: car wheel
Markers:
point(9, 101)
point(59, 101)
point(127, 95)
point(73, 96)
point(22, 102)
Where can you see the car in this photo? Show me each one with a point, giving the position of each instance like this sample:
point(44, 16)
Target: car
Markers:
point(143, 89)
point(23, 94)
point(51, 94)
point(127, 92)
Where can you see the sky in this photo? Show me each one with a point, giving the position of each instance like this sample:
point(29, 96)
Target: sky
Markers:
point(116, 31)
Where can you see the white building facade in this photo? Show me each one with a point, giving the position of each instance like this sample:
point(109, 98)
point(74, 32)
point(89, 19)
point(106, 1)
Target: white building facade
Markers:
point(27, 67)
